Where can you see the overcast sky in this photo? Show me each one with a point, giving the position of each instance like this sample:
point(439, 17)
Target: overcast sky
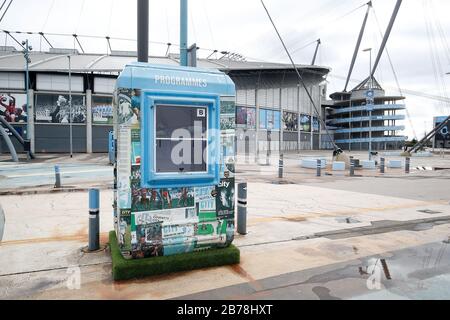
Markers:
point(242, 26)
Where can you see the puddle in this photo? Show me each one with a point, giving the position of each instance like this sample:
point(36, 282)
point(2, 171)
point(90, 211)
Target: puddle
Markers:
point(429, 211)
point(348, 220)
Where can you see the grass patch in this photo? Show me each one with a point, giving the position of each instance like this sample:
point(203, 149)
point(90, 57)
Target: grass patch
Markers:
point(124, 269)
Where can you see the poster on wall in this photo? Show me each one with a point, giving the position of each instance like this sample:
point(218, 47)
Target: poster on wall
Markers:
point(225, 198)
point(251, 118)
point(305, 123)
point(263, 118)
point(227, 115)
point(246, 117)
point(290, 121)
point(241, 116)
point(13, 107)
point(55, 108)
point(147, 199)
point(102, 110)
point(315, 124)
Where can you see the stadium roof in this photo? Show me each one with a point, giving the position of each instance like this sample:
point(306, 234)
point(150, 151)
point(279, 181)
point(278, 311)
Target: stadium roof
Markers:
point(56, 61)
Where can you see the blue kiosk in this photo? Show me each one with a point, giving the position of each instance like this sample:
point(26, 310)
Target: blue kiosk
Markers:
point(175, 161)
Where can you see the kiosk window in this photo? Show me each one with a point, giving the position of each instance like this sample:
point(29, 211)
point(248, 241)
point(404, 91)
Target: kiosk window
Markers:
point(181, 138)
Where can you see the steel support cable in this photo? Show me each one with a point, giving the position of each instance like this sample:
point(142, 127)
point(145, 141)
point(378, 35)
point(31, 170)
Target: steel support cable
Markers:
point(4, 1)
point(6, 10)
point(48, 15)
point(301, 79)
point(397, 82)
point(441, 32)
point(436, 62)
point(325, 26)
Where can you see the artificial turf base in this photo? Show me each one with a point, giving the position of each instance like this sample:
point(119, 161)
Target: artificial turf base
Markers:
point(124, 269)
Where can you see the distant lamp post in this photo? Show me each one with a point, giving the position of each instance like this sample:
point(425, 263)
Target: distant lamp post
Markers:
point(370, 100)
point(70, 108)
point(26, 54)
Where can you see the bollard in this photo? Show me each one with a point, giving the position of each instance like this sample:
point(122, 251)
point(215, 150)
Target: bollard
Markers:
point(352, 167)
point(280, 166)
point(242, 208)
point(57, 177)
point(94, 220)
point(381, 165)
point(407, 163)
point(247, 149)
point(319, 167)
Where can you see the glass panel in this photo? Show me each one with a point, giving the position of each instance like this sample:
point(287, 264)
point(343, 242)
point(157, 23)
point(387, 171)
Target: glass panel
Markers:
point(180, 155)
point(191, 120)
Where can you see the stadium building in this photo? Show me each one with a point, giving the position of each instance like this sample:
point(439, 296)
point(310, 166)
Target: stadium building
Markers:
point(271, 105)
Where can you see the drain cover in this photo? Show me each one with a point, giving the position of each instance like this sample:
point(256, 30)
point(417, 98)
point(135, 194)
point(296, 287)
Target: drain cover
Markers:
point(347, 220)
point(429, 211)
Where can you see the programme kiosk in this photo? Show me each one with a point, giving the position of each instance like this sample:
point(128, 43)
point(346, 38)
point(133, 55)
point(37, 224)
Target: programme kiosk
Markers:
point(175, 160)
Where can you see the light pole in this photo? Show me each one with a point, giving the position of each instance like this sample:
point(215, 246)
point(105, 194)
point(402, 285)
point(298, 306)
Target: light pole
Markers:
point(369, 100)
point(26, 53)
point(70, 107)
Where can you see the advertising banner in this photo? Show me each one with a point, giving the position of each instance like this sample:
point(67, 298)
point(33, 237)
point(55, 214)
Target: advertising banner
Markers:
point(305, 123)
point(55, 108)
point(102, 110)
point(13, 107)
point(290, 121)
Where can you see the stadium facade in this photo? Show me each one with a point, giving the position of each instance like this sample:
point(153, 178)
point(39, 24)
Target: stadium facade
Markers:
point(272, 109)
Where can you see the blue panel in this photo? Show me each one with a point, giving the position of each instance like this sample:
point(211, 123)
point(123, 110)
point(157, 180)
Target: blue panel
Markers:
point(276, 120)
point(262, 118)
point(175, 78)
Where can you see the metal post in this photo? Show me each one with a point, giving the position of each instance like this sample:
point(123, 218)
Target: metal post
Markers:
point(142, 30)
point(382, 161)
point(247, 148)
point(2, 223)
point(70, 108)
point(370, 135)
point(57, 177)
point(242, 208)
point(269, 151)
point(352, 167)
point(280, 166)
point(319, 167)
point(27, 85)
point(94, 220)
point(407, 164)
point(183, 33)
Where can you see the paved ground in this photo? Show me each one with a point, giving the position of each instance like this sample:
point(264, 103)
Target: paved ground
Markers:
point(333, 237)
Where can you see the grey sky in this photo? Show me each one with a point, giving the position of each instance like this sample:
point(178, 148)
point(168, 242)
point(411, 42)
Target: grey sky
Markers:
point(241, 26)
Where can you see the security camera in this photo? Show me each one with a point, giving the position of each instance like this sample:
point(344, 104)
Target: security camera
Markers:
point(30, 48)
point(23, 42)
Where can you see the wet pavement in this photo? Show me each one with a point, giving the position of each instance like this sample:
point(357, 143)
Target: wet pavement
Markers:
point(417, 273)
point(308, 238)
